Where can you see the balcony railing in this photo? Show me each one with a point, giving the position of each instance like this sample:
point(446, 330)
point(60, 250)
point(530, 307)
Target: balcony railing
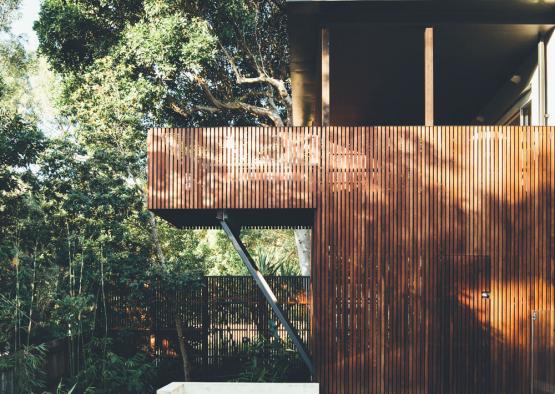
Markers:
point(265, 168)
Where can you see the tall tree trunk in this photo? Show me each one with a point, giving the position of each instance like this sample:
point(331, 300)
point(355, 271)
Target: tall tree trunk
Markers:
point(156, 238)
point(33, 284)
point(302, 240)
point(178, 321)
point(182, 348)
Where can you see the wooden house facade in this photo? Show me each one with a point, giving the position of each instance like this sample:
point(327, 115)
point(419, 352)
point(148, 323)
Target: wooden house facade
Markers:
point(433, 245)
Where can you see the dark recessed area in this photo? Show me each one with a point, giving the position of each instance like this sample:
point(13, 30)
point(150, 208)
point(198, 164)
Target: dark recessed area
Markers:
point(377, 75)
point(377, 71)
point(260, 218)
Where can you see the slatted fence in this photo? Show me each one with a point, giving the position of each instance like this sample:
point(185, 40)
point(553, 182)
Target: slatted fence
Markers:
point(7, 381)
point(401, 218)
point(222, 317)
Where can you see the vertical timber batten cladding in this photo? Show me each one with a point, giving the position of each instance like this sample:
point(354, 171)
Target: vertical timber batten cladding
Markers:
point(242, 168)
point(411, 225)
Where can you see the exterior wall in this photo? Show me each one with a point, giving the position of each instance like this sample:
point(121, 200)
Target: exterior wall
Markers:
point(385, 240)
point(233, 168)
point(411, 225)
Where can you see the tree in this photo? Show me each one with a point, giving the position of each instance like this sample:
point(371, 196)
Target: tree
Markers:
point(7, 9)
point(20, 145)
point(130, 64)
point(72, 222)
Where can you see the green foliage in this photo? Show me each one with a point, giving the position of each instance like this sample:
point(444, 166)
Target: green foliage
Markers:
point(73, 34)
point(128, 375)
point(20, 144)
point(60, 389)
point(73, 219)
point(259, 368)
point(154, 50)
point(168, 42)
point(107, 372)
point(15, 65)
point(186, 257)
point(272, 262)
point(25, 82)
point(273, 250)
point(28, 366)
point(7, 9)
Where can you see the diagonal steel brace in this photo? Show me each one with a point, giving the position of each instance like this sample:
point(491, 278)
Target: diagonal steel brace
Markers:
point(233, 234)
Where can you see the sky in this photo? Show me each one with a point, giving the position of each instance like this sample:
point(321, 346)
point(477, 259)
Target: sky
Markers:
point(41, 85)
point(23, 22)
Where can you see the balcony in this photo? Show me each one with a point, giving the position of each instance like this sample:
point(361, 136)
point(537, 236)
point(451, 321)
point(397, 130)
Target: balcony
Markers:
point(263, 169)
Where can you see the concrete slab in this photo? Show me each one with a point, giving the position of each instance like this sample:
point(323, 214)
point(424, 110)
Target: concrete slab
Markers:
point(239, 388)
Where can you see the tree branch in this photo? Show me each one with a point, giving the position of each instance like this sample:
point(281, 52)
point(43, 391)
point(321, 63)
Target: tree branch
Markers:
point(218, 105)
point(195, 108)
point(278, 84)
point(262, 78)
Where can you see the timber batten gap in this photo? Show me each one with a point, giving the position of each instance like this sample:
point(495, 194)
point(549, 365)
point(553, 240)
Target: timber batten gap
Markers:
point(413, 229)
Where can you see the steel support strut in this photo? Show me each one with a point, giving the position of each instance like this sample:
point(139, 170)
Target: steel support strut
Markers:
point(233, 235)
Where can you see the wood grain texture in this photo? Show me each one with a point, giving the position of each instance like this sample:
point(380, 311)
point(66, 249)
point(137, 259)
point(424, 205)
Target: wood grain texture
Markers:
point(410, 225)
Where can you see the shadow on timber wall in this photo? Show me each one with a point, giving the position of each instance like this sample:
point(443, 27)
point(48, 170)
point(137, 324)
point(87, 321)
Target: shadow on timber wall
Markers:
point(411, 225)
point(416, 224)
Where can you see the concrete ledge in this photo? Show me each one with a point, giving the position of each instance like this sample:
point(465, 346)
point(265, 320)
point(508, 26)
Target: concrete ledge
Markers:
point(172, 388)
point(239, 388)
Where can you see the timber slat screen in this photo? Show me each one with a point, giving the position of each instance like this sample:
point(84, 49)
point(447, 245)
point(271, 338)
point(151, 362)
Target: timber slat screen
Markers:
point(233, 168)
point(411, 225)
point(222, 316)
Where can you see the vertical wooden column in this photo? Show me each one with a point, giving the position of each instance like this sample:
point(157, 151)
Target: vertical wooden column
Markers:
point(429, 76)
point(325, 76)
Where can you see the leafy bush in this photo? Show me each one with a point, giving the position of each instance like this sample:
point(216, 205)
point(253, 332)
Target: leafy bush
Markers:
point(107, 372)
point(273, 262)
point(28, 366)
point(259, 367)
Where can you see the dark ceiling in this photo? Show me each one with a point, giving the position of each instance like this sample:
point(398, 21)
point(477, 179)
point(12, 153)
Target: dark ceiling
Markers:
point(472, 63)
point(427, 11)
point(377, 70)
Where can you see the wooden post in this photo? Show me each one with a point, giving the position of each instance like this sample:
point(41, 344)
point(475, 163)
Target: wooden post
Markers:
point(325, 76)
point(429, 76)
point(205, 321)
point(428, 121)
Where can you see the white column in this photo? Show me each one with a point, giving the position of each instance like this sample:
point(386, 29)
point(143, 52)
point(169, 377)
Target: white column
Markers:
point(429, 76)
point(542, 84)
point(550, 81)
